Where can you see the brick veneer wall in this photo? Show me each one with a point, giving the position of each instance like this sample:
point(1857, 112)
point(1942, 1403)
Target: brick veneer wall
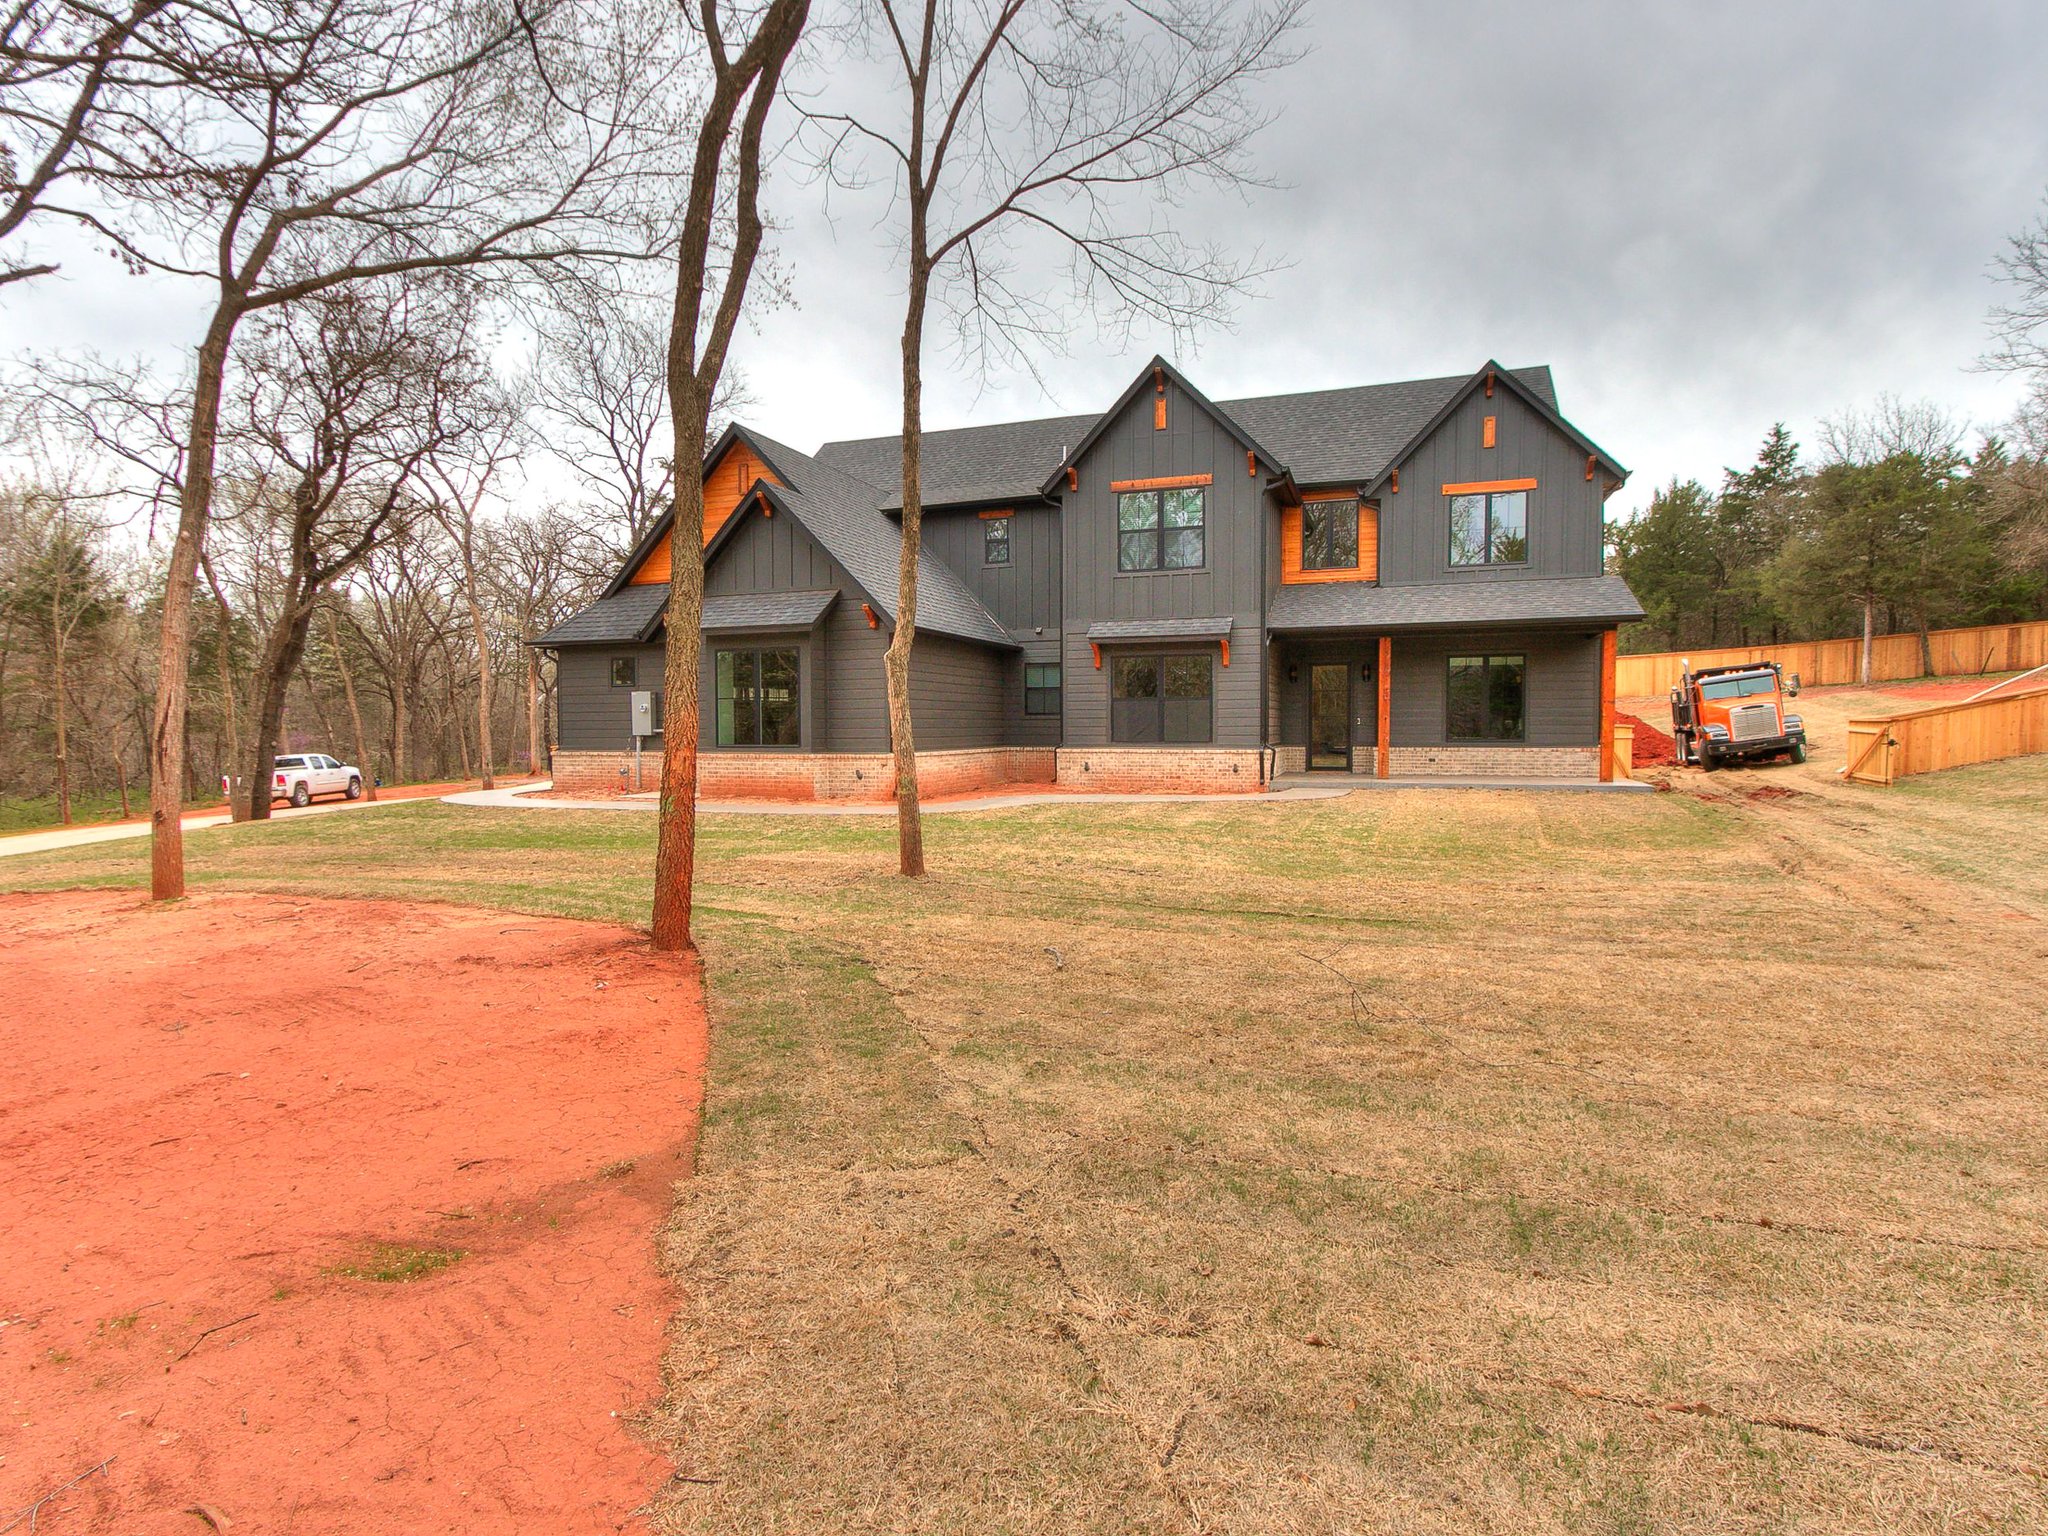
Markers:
point(1494, 762)
point(1160, 770)
point(811, 775)
point(1295, 759)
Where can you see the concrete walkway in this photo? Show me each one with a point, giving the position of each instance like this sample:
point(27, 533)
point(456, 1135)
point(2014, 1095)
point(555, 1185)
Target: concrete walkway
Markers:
point(1289, 789)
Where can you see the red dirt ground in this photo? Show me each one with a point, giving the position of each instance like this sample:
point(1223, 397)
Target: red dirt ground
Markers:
point(1653, 746)
point(207, 1109)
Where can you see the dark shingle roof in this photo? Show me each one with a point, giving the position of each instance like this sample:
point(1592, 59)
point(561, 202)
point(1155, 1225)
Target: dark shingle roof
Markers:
point(844, 513)
point(1158, 629)
point(766, 610)
point(1551, 600)
point(1323, 435)
point(630, 617)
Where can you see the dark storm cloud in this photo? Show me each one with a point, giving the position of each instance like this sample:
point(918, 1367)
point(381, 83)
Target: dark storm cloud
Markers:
point(1705, 217)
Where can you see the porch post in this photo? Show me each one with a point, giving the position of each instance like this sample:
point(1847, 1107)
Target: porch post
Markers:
point(1607, 649)
point(1381, 757)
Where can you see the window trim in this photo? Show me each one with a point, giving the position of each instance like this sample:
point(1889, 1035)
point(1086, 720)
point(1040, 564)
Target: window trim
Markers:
point(1487, 660)
point(632, 666)
point(1159, 530)
point(758, 651)
point(1323, 504)
point(1056, 689)
point(988, 527)
point(1486, 491)
point(1162, 658)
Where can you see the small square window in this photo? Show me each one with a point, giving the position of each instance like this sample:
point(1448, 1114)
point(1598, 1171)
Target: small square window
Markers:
point(1329, 536)
point(995, 541)
point(625, 671)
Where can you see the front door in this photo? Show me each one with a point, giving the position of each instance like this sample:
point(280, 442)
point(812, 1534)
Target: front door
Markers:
point(1329, 716)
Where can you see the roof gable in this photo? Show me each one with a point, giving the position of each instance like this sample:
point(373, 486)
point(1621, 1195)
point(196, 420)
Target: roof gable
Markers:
point(1154, 375)
point(649, 561)
point(1493, 375)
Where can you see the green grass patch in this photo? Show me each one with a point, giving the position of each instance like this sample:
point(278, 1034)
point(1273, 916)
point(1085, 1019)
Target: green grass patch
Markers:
point(397, 1263)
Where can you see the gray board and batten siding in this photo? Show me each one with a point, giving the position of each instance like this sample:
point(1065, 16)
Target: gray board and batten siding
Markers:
point(1230, 583)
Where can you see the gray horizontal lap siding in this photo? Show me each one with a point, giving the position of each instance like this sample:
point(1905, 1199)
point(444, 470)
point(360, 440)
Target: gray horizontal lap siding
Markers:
point(1231, 583)
point(1564, 510)
point(591, 715)
point(1563, 684)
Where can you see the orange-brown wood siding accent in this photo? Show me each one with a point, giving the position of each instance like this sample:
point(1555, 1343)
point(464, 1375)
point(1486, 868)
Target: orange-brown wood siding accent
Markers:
point(1162, 483)
point(1368, 567)
point(727, 481)
point(995, 512)
point(1487, 431)
point(1382, 753)
point(1159, 414)
point(1607, 650)
point(1475, 487)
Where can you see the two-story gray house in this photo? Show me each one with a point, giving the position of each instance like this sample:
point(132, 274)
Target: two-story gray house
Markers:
point(1399, 580)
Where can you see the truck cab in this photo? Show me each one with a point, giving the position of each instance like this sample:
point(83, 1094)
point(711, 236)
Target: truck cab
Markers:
point(1735, 714)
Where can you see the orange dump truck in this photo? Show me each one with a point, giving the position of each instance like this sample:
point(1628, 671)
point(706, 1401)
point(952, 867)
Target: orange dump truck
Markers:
point(1735, 714)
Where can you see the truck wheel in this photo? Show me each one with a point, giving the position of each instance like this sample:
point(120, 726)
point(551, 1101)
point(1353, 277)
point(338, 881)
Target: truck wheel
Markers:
point(301, 795)
point(355, 789)
point(1707, 763)
point(1798, 752)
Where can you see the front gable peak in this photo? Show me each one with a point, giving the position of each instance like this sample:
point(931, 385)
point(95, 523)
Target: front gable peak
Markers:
point(1153, 382)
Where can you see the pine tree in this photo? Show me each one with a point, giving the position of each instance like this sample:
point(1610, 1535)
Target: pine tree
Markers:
point(1666, 556)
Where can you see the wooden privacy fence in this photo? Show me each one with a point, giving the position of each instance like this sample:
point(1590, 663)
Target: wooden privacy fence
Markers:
point(1893, 747)
point(1820, 663)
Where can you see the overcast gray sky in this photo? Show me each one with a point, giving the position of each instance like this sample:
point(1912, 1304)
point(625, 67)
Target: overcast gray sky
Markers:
point(1704, 217)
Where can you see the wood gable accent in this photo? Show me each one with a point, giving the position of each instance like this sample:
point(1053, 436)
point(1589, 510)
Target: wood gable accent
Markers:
point(1368, 567)
point(1161, 483)
point(725, 483)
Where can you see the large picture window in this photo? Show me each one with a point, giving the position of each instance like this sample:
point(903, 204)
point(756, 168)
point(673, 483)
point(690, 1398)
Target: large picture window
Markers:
point(1042, 690)
point(1488, 698)
point(758, 699)
point(1329, 535)
point(1160, 698)
point(1161, 530)
point(1491, 528)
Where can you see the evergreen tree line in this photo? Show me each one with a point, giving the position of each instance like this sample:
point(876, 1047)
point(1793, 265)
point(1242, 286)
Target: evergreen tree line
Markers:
point(1894, 528)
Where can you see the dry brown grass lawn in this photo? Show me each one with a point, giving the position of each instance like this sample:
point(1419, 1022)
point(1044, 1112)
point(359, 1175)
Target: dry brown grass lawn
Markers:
point(1433, 1162)
point(1429, 1162)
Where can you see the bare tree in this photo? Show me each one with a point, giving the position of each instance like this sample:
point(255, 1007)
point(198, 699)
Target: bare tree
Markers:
point(351, 393)
point(481, 435)
point(314, 148)
point(1013, 122)
point(744, 87)
point(547, 565)
point(2019, 327)
point(73, 77)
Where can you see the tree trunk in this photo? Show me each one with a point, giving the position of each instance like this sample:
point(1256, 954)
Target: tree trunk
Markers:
point(57, 665)
point(1926, 649)
point(484, 733)
point(355, 714)
point(675, 850)
point(1869, 605)
point(174, 632)
point(902, 738)
point(282, 652)
point(532, 712)
point(398, 742)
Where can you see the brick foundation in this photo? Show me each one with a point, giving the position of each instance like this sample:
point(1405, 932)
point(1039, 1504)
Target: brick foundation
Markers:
point(1494, 762)
point(1160, 770)
point(729, 775)
point(1295, 759)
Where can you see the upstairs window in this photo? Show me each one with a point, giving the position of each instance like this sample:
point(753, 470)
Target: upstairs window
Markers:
point(1162, 530)
point(1487, 699)
point(1160, 698)
point(1490, 528)
point(995, 540)
point(1042, 690)
point(1329, 535)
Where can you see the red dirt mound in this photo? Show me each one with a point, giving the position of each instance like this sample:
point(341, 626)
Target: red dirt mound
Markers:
point(1653, 748)
point(332, 1216)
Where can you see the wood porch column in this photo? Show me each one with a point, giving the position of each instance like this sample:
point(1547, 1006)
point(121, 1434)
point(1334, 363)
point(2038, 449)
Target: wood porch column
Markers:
point(1381, 757)
point(1607, 650)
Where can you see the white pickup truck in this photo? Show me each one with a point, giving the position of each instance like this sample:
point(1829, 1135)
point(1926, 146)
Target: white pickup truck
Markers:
point(299, 776)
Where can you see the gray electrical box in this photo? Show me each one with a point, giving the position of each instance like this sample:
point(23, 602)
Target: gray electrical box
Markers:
point(643, 712)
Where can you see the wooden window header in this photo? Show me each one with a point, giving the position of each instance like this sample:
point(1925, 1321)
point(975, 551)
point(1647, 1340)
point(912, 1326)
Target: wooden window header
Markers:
point(1161, 483)
point(1480, 487)
point(996, 512)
